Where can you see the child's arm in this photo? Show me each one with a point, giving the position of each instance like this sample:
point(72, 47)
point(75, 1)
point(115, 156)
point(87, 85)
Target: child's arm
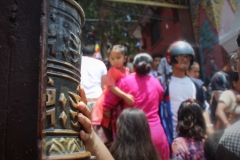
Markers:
point(129, 99)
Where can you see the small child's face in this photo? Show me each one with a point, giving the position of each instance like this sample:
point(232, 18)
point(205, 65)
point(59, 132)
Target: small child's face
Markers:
point(156, 62)
point(117, 59)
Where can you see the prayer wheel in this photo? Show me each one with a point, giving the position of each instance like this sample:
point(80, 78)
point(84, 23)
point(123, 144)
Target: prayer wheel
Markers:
point(63, 60)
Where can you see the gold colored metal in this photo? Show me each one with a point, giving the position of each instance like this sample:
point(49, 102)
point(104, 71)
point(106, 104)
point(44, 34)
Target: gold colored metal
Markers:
point(51, 97)
point(63, 117)
point(73, 104)
point(65, 146)
point(75, 125)
point(151, 3)
point(50, 81)
point(70, 157)
point(62, 132)
point(63, 101)
point(63, 64)
point(52, 114)
point(73, 114)
point(64, 70)
point(76, 97)
point(63, 76)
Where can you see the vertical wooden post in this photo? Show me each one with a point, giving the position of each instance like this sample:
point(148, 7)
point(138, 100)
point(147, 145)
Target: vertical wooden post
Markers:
point(19, 78)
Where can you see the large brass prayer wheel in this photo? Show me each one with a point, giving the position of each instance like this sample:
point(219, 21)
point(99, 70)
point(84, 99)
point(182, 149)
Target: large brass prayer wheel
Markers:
point(64, 22)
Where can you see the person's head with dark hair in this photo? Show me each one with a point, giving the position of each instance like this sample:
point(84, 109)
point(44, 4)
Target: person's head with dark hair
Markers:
point(194, 70)
point(235, 81)
point(191, 123)
point(133, 139)
point(156, 60)
point(142, 63)
point(88, 50)
point(117, 55)
point(227, 66)
point(180, 55)
point(238, 39)
point(211, 144)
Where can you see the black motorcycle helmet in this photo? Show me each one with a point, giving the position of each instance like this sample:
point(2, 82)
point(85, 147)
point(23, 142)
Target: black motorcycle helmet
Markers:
point(178, 48)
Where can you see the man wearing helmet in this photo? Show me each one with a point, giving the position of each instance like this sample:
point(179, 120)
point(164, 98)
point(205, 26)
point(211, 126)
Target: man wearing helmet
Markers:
point(181, 87)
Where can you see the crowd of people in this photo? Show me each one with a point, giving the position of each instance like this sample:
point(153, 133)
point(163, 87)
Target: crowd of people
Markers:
point(158, 108)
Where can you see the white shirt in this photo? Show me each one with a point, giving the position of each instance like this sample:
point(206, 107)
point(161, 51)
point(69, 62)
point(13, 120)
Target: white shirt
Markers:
point(180, 89)
point(92, 71)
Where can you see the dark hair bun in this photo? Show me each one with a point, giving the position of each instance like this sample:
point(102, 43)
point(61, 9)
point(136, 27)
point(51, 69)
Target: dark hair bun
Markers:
point(142, 68)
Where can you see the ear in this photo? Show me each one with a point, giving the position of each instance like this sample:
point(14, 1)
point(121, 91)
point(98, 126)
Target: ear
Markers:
point(125, 58)
point(234, 84)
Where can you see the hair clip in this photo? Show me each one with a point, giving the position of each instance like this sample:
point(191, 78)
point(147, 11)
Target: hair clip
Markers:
point(191, 99)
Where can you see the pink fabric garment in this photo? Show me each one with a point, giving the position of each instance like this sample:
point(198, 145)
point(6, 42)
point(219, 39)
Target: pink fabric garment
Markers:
point(147, 93)
point(187, 149)
point(113, 76)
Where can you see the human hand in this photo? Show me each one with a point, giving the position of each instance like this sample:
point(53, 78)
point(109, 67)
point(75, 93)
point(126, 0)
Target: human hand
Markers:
point(129, 99)
point(84, 117)
point(91, 141)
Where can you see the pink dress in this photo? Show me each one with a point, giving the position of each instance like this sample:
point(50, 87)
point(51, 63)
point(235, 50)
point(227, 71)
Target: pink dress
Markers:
point(147, 93)
point(187, 149)
point(113, 76)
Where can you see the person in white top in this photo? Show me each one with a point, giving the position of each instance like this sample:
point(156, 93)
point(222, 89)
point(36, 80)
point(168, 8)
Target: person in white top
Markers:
point(181, 87)
point(93, 75)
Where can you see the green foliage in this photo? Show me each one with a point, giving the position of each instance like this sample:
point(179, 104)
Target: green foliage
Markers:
point(109, 22)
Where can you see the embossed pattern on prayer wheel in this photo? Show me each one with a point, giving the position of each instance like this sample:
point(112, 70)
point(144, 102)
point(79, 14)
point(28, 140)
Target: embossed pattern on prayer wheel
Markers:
point(65, 18)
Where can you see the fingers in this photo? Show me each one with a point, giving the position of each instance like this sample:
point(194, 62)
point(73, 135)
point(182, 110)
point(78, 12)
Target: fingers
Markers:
point(84, 136)
point(82, 94)
point(83, 108)
point(86, 123)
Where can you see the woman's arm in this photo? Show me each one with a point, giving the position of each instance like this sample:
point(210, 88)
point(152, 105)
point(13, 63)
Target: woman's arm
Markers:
point(104, 82)
point(91, 141)
point(126, 97)
point(221, 107)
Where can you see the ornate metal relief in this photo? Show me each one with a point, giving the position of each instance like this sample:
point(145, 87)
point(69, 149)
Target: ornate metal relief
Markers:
point(65, 18)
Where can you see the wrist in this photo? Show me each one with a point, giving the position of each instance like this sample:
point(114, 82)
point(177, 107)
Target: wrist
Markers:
point(226, 124)
point(209, 125)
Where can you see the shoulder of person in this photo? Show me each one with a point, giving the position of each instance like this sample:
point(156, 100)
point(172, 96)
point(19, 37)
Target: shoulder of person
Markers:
point(227, 93)
point(197, 81)
point(178, 139)
point(218, 75)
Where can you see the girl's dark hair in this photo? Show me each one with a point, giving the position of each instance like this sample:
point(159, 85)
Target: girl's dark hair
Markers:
point(238, 39)
point(235, 76)
point(191, 123)
point(118, 48)
point(191, 67)
point(142, 68)
point(133, 139)
point(142, 63)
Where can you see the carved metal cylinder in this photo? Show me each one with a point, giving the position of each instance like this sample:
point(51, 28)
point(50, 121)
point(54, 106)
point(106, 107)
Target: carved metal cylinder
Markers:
point(65, 19)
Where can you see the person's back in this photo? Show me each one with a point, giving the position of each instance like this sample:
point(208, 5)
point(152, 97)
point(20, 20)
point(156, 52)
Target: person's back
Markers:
point(147, 93)
point(93, 73)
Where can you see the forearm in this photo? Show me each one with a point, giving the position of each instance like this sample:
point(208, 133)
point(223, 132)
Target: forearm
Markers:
point(118, 92)
point(208, 123)
point(97, 148)
point(103, 82)
point(221, 116)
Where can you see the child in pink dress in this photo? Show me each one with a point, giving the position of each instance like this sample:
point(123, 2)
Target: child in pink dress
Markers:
point(191, 130)
point(117, 57)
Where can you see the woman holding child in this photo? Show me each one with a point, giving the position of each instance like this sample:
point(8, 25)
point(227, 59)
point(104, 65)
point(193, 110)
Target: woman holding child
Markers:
point(147, 93)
